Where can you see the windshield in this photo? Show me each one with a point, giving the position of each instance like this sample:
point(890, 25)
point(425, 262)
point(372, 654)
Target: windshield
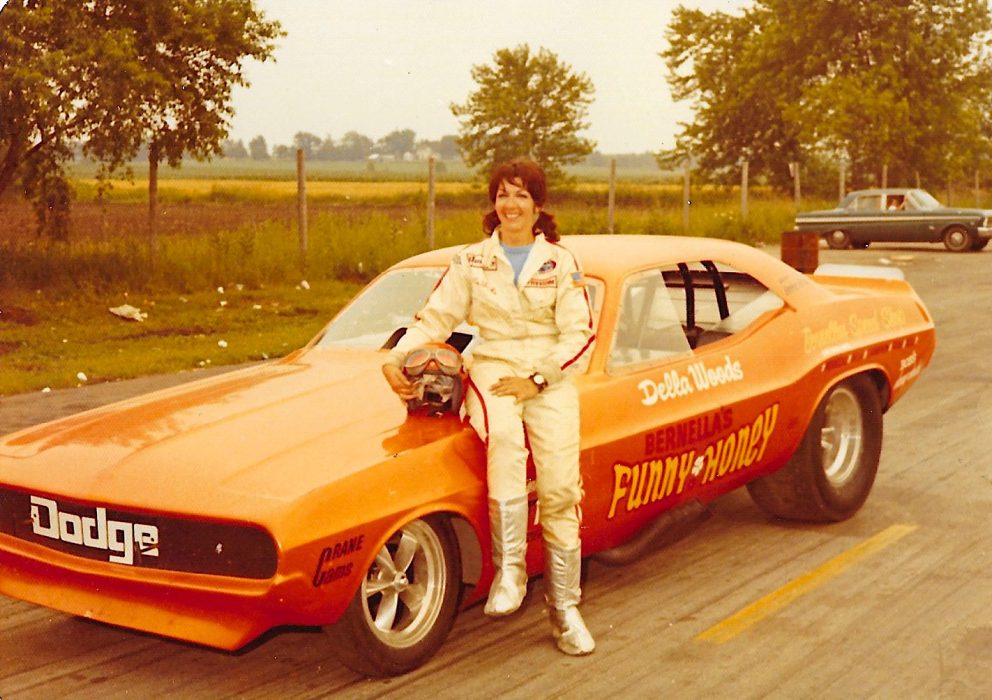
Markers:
point(387, 304)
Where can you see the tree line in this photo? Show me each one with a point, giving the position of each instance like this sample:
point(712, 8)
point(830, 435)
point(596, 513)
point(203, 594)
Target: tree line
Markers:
point(398, 144)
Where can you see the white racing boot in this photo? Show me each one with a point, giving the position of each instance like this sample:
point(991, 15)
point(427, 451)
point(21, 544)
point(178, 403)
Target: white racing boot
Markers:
point(508, 522)
point(562, 571)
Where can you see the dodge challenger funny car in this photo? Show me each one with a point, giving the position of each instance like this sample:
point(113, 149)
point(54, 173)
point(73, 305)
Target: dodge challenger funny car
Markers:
point(301, 492)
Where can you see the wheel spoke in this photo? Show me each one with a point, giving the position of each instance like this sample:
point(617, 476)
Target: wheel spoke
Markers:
point(384, 561)
point(406, 551)
point(385, 616)
point(413, 597)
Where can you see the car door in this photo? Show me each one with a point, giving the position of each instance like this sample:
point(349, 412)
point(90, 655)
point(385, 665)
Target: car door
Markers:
point(685, 408)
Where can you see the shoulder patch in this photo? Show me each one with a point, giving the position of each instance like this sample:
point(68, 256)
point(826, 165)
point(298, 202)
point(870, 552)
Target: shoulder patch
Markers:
point(578, 279)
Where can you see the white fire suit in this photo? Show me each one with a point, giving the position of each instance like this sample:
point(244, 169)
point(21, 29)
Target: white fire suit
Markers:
point(543, 324)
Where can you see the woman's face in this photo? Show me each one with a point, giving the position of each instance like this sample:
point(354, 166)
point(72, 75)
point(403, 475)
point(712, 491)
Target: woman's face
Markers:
point(515, 208)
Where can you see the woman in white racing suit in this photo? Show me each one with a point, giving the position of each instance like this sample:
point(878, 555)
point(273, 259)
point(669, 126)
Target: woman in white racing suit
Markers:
point(526, 294)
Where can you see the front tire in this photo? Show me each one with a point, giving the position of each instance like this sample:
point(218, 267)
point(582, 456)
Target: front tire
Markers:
point(838, 240)
point(958, 239)
point(831, 473)
point(405, 607)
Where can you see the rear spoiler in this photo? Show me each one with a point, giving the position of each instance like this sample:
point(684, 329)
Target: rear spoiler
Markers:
point(869, 271)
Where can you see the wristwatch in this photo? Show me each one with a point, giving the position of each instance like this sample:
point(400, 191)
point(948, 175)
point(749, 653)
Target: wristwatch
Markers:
point(539, 381)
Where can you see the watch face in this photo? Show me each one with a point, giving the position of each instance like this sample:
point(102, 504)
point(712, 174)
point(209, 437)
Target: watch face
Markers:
point(539, 379)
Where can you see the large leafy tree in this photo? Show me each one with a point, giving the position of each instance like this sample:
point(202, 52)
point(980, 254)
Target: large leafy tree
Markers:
point(896, 83)
point(527, 104)
point(115, 74)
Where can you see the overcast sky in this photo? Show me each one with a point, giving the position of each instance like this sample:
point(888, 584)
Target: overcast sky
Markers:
point(373, 66)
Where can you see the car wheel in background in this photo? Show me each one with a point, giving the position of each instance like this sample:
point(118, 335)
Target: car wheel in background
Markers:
point(404, 609)
point(860, 245)
point(958, 239)
point(831, 473)
point(979, 243)
point(838, 240)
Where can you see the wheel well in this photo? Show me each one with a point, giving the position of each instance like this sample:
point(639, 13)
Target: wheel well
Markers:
point(881, 383)
point(469, 548)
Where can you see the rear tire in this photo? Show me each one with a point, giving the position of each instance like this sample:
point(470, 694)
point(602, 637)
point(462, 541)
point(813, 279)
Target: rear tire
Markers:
point(958, 239)
point(405, 607)
point(831, 473)
point(838, 240)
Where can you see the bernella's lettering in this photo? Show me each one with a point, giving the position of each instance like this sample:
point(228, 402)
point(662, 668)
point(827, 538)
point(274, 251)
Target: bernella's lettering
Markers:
point(119, 538)
point(674, 437)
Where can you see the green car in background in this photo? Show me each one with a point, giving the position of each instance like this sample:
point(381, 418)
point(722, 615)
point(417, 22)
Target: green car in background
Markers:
point(898, 215)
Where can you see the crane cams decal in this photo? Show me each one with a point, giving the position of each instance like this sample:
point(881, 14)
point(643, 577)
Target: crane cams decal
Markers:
point(120, 539)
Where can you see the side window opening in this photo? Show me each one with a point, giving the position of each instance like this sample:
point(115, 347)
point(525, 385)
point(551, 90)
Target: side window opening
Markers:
point(670, 312)
point(716, 301)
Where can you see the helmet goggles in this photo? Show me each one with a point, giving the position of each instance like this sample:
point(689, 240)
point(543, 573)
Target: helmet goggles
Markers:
point(439, 374)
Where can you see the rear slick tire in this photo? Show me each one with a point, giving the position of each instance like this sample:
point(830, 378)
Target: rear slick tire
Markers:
point(830, 475)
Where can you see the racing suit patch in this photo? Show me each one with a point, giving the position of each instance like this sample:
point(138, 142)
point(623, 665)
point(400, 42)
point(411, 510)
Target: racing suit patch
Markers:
point(542, 282)
point(548, 266)
point(476, 260)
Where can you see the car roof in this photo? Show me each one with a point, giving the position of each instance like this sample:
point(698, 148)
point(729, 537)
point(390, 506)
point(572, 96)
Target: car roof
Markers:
point(606, 255)
point(881, 191)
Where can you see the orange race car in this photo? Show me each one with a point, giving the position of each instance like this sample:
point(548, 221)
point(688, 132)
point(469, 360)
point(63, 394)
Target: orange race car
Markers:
point(300, 491)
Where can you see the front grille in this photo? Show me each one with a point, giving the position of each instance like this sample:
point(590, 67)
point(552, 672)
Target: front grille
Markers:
point(141, 540)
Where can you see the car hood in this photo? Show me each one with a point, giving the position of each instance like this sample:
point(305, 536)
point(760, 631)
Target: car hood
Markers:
point(231, 445)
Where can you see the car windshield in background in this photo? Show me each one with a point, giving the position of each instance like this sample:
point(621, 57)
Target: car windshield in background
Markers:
point(381, 308)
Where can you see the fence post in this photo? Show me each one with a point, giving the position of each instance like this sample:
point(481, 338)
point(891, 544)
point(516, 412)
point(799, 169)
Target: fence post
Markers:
point(744, 167)
point(611, 201)
point(885, 175)
point(430, 203)
point(301, 207)
point(797, 191)
point(685, 197)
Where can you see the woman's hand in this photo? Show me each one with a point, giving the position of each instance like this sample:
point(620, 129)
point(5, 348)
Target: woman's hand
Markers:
point(399, 383)
point(520, 388)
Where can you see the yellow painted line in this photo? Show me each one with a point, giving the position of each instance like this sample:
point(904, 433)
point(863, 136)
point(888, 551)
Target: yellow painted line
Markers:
point(776, 600)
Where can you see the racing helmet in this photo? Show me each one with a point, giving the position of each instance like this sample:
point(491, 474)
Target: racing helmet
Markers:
point(439, 373)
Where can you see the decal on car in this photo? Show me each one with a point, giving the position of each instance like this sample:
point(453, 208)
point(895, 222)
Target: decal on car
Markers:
point(116, 537)
point(836, 333)
point(697, 377)
point(638, 485)
point(673, 437)
point(327, 570)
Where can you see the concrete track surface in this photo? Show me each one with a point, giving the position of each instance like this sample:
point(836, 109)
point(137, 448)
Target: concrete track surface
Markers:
point(893, 603)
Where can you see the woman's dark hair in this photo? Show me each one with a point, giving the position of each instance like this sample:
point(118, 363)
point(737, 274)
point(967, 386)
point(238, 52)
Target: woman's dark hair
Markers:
point(531, 177)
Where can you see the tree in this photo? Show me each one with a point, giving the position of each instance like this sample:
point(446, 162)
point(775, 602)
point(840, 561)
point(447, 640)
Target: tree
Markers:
point(117, 74)
point(258, 149)
point(396, 143)
point(234, 149)
point(896, 83)
point(353, 146)
point(526, 104)
point(307, 142)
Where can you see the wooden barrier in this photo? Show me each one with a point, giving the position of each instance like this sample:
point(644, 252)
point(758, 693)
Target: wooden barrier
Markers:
point(801, 250)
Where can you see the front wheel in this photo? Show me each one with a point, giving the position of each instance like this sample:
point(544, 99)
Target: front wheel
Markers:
point(405, 607)
point(958, 239)
point(831, 473)
point(838, 240)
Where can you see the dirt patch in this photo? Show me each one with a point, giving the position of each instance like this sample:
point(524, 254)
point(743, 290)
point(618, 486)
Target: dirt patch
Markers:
point(14, 314)
point(170, 332)
point(7, 346)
